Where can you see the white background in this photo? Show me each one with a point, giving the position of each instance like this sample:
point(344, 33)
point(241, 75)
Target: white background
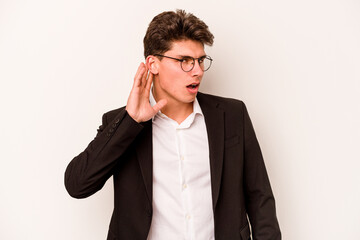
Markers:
point(294, 63)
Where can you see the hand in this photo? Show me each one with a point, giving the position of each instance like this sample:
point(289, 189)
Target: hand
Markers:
point(138, 105)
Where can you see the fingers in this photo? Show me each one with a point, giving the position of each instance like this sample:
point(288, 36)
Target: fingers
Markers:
point(148, 82)
point(159, 105)
point(139, 74)
point(144, 75)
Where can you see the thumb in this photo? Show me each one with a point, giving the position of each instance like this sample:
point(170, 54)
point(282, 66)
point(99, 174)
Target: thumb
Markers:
point(159, 105)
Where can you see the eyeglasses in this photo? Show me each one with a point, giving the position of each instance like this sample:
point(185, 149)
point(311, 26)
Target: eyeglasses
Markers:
point(187, 63)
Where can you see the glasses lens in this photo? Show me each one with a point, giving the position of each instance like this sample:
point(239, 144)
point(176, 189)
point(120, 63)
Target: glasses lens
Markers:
point(206, 64)
point(187, 64)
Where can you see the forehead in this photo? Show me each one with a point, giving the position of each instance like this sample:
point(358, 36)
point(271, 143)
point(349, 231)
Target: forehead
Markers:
point(187, 48)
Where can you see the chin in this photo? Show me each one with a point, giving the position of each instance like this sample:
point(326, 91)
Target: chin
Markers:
point(190, 99)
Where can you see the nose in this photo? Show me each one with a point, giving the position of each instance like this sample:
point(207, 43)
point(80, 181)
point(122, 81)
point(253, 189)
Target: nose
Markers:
point(197, 70)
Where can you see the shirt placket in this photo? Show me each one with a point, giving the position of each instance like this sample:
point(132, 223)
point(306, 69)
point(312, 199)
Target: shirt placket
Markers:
point(188, 218)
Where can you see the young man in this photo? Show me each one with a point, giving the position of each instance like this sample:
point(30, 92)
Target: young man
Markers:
point(185, 165)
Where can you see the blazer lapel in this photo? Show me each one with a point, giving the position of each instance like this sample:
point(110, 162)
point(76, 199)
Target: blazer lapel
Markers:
point(214, 119)
point(144, 154)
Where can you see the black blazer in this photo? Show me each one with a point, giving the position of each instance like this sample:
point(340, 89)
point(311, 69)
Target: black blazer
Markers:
point(239, 182)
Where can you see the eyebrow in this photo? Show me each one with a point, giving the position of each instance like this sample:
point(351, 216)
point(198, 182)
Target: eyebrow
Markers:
point(186, 56)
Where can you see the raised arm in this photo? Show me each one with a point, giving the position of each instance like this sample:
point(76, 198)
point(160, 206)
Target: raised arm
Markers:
point(88, 172)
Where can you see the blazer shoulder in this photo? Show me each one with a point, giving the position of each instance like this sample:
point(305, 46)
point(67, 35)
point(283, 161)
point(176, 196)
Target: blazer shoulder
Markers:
point(222, 102)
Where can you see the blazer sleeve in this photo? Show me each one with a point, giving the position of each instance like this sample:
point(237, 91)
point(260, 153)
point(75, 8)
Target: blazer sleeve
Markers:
point(260, 201)
point(88, 172)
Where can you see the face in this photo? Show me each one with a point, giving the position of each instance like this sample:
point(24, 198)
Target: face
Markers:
point(171, 82)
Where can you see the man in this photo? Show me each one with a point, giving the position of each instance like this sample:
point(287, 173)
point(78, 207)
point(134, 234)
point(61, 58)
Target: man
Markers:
point(185, 165)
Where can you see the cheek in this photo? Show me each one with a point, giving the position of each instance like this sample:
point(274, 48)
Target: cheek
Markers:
point(172, 78)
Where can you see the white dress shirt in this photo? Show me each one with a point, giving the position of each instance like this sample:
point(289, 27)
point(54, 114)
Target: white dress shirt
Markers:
point(182, 200)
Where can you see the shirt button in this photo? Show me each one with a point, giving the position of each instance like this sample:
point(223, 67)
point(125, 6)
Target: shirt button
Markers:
point(182, 158)
point(188, 216)
point(184, 186)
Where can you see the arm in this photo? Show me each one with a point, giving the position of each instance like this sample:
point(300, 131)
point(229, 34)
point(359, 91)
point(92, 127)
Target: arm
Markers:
point(88, 172)
point(259, 197)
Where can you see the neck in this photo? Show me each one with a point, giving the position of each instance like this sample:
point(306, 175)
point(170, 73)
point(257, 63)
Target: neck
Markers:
point(178, 112)
point(175, 110)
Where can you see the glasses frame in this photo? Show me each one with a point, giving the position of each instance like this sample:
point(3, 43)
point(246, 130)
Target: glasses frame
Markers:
point(193, 60)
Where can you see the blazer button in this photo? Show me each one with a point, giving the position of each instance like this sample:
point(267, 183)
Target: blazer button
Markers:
point(108, 134)
point(111, 130)
point(117, 121)
point(114, 125)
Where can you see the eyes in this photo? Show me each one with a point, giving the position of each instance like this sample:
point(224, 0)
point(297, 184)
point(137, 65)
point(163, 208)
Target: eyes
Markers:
point(191, 61)
point(187, 63)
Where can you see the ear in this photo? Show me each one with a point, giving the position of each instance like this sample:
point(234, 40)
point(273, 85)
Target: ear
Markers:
point(152, 64)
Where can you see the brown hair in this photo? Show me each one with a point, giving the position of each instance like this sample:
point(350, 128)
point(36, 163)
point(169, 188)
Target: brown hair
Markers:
point(172, 26)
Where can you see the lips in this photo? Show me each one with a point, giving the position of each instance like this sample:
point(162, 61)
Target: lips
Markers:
point(193, 88)
point(193, 85)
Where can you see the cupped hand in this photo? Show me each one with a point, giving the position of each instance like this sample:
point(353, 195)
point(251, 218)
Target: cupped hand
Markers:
point(138, 105)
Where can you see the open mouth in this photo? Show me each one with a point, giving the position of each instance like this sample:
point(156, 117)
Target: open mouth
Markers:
point(192, 86)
